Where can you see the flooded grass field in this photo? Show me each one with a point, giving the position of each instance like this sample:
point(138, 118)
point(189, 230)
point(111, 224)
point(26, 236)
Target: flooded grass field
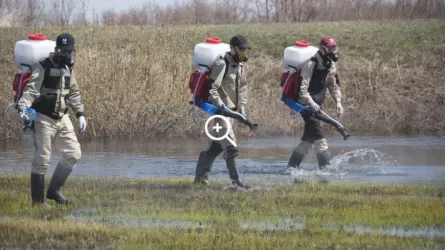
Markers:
point(358, 160)
point(379, 193)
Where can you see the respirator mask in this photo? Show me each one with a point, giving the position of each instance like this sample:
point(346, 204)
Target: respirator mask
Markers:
point(331, 53)
point(64, 57)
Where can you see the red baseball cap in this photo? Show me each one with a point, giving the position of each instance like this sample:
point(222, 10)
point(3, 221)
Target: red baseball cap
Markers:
point(328, 41)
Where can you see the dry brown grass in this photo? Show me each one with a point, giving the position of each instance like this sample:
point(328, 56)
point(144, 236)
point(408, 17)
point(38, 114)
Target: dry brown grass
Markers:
point(134, 79)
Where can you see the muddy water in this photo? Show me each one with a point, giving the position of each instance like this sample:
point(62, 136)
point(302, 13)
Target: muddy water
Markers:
point(359, 160)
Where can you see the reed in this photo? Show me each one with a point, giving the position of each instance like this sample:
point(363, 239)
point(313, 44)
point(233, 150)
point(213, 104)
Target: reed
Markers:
point(134, 79)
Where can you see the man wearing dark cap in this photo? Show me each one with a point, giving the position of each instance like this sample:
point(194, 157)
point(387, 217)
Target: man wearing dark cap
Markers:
point(51, 91)
point(228, 89)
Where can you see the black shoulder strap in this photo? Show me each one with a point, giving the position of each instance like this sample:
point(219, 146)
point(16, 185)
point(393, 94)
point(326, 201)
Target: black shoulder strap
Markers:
point(46, 64)
point(314, 60)
point(227, 65)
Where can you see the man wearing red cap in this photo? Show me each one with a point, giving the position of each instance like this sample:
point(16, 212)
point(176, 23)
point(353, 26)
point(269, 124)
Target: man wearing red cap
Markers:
point(317, 74)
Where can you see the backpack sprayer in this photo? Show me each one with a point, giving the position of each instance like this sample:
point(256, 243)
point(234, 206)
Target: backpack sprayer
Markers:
point(294, 57)
point(27, 52)
point(204, 56)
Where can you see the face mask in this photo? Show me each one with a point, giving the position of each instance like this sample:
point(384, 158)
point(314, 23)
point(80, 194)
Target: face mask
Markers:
point(64, 57)
point(333, 57)
point(240, 55)
point(331, 53)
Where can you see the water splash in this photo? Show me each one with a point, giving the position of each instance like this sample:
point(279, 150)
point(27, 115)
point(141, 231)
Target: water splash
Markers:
point(365, 156)
point(357, 162)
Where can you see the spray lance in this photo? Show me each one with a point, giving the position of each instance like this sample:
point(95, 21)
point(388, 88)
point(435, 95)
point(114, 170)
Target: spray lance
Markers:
point(322, 116)
point(213, 110)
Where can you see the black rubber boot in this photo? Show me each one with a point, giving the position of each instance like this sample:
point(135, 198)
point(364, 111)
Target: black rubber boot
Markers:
point(38, 190)
point(230, 157)
point(58, 180)
point(298, 154)
point(323, 159)
point(295, 159)
point(205, 162)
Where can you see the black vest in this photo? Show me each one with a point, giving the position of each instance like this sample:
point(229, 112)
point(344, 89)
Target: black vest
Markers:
point(317, 85)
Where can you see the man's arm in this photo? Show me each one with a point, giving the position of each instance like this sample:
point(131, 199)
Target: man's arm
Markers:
point(306, 74)
point(74, 97)
point(333, 83)
point(32, 89)
point(243, 96)
point(215, 79)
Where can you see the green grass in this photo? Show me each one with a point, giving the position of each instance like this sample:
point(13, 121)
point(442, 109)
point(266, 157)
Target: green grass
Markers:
point(221, 210)
point(134, 79)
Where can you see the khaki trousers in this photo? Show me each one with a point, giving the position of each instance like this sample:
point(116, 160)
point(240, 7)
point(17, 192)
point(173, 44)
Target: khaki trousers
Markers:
point(220, 122)
point(60, 133)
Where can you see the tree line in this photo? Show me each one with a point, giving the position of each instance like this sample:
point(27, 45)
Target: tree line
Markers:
point(80, 13)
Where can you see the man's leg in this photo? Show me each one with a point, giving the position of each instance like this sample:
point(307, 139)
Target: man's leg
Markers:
point(66, 141)
point(305, 144)
point(44, 132)
point(205, 162)
point(230, 154)
point(323, 156)
point(298, 154)
point(314, 134)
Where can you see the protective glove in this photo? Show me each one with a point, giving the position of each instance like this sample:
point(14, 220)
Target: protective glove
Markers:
point(243, 111)
point(339, 109)
point(25, 119)
point(314, 106)
point(82, 124)
point(221, 106)
point(27, 115)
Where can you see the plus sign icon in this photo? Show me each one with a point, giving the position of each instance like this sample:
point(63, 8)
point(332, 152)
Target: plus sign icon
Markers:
point(217, 127)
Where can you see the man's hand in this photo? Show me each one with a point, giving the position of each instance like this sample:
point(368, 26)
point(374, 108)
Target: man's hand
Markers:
point(314, 106)
point(27, 115)
point(339, 109)
point(82, 123)
point(24, 117)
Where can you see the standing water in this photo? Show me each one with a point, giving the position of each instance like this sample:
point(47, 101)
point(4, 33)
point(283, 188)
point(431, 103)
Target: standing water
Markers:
point(358, 160)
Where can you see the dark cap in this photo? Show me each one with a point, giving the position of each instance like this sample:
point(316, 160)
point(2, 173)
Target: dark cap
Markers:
point(65, 41)
point(328, 41)
point(239, 41)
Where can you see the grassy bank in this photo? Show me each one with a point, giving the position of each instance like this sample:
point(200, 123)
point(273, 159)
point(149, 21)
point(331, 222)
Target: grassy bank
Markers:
point(215, 215)
point(134, 79)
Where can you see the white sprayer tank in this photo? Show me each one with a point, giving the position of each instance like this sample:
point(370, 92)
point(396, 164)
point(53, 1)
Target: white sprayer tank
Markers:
point(33, 50)
point(206, 54)
point(296, 55)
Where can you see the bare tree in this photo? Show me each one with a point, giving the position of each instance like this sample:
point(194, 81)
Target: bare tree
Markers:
point(32, 13)
point(60, 14)
point(6, 6)
point(109, 17)
point(267, 6)
point(311, 10)
point(285, 6)
point(257, 6)
point(241, 11)
point(81, 17)
point(276, 10)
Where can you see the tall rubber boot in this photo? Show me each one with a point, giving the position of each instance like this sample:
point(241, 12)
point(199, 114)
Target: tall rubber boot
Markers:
point(58, 180)
point(205, 162)
point(323, 159)
point(38, 190)
point(230, 157)
point(295, 159)
point(298, 154)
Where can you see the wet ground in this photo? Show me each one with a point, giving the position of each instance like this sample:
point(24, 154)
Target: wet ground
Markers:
point(378, 160)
